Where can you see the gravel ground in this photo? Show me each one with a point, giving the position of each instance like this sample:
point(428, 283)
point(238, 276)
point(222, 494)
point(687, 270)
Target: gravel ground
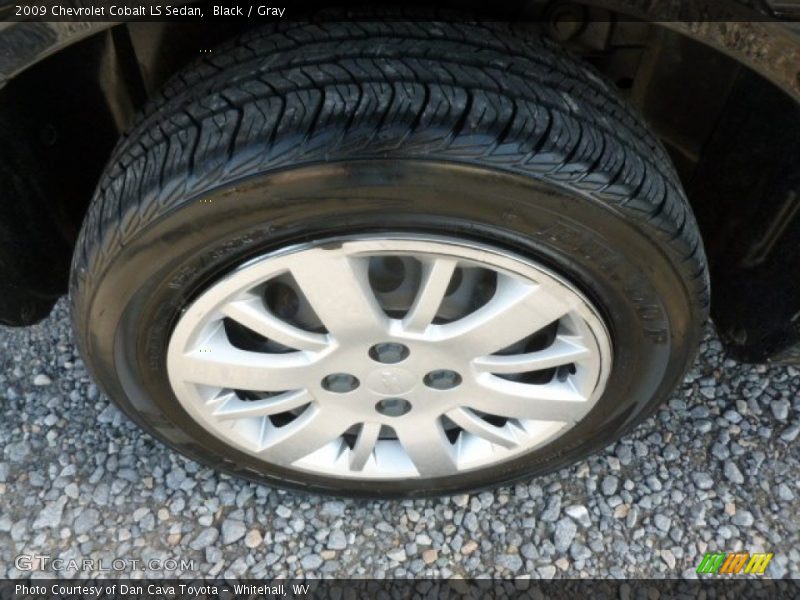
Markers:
point(715, 469)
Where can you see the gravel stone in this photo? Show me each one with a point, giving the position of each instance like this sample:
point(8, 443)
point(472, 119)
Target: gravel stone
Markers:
point(703, 480)
point(511, 562)
point(579, 552)
point(337, 540)
point(580, 513)
point(529, 551)
point(206, 537)
point(670, 452)
point(175, 478)
point(785, 493)
point(662, 522)
point(42, 380)
point(742, 518)
point(398, 554)
point(624, 454)
point(732, 472)
point(470, 522)
point(547, 572)
point(311, 562)
point(18, 451)
point(469, 547)
point(564, 534)
point(720, 451)
point(232, 531)
point(51, 514)
point(140, 513)
point(669, 558)
point(553, 510)
point(609, 485)
point(237, 569)
point(253, 539)
point(461, 500)
point(780, 408)
point(72, 490)
point(790, 433)
point(86, 521)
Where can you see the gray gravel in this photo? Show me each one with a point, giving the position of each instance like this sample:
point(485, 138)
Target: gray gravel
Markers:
point(715, 469)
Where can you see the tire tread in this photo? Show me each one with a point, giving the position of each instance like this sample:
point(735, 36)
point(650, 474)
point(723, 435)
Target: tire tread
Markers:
point(299, 93)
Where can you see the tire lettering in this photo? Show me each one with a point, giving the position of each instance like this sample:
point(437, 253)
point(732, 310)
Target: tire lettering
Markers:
point(637, 288)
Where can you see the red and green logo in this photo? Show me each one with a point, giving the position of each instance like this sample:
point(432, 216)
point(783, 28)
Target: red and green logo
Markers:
point(734, 563)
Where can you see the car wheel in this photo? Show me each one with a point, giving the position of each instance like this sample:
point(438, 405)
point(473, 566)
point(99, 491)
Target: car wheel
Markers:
point(388, 259)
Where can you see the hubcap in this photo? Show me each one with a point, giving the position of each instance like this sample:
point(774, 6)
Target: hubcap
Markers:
point(386, 358)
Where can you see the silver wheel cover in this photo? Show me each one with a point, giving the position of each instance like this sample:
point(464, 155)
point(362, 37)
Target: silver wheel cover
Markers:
point(389, 358)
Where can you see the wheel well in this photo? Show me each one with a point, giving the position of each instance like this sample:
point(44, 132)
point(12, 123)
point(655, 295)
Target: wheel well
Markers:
point(72, 107)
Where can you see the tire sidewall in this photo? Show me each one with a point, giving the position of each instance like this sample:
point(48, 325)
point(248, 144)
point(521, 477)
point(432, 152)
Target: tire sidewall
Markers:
point(629, 276)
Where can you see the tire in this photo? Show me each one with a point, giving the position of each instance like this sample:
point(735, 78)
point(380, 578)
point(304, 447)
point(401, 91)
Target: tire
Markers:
point(305, 135)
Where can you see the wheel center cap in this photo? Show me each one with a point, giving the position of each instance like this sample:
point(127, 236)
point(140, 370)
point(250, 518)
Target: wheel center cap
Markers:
point(391, 381)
